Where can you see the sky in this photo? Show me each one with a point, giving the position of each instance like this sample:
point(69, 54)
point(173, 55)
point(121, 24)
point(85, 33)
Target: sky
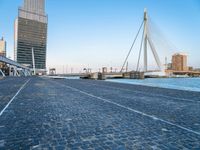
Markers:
point(97, 33)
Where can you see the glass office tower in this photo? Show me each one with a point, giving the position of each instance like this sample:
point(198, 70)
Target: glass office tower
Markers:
point(31, 33)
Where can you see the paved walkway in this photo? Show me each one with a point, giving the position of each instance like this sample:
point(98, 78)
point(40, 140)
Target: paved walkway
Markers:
point(39, 113)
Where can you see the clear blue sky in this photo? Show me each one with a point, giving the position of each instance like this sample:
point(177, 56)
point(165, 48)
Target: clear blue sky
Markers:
point(98, 33)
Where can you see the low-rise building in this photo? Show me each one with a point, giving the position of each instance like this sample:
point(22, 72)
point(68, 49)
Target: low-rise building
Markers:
point(179, 62)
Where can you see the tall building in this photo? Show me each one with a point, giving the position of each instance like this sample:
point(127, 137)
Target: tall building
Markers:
point(2, 47)
point(31, 33)
point(179, 62)
point(2, 51)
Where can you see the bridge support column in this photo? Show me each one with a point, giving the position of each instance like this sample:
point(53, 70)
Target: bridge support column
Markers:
point(11, 70)
point(145, 41)
point(1, 73)
point(15, 73)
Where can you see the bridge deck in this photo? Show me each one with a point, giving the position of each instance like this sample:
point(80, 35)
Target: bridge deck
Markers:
point(83, 114)
point(11, 62)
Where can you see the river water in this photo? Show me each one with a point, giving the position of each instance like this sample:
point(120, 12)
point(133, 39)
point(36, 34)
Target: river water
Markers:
point(189, 84)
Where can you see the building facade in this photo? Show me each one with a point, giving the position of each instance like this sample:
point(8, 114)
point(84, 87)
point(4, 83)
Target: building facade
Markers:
point(2, 47)
point(31, 34)
point(179, 62)
point(2, 51)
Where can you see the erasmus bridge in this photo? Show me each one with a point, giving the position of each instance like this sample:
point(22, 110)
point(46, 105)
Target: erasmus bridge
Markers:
point(151, 40)
point(146, 42)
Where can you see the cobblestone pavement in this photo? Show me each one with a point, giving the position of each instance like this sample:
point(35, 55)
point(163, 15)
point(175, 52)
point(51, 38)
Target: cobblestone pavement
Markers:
point(8, 88)
point(85, 114)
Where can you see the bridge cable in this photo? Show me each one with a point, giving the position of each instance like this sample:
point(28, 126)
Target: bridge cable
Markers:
point(140, 51)
point(132, 46)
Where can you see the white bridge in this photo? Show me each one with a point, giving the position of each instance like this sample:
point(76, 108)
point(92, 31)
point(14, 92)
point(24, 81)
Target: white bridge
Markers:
point(145, 43)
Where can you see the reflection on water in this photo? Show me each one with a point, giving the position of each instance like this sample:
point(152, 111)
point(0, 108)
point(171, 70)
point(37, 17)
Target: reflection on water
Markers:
point(191, 84)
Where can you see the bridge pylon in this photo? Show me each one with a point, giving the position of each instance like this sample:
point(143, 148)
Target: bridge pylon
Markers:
point(147, 40)
point(145, 43)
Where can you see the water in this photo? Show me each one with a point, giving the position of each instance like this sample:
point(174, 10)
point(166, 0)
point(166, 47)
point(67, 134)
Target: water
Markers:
point(72, 77)
point(189, 84)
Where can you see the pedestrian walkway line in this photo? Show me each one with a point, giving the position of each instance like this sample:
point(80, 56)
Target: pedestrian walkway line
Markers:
point(134, 110)
point(21, 88)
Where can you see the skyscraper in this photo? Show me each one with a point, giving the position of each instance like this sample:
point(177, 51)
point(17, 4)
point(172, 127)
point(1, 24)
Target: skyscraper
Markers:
point(31, 33)
point(2, 51)
point(2, 47)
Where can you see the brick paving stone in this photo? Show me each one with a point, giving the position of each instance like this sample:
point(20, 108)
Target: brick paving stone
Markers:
point(50, 114)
